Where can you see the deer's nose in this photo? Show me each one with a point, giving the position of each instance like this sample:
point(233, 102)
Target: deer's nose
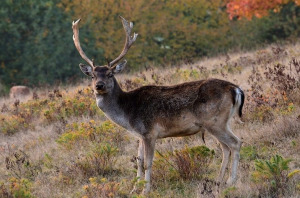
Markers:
point(100, 86)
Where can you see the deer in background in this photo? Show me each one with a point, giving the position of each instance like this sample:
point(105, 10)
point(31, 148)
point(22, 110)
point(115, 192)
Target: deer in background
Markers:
point(154, 112)
point(18, 91)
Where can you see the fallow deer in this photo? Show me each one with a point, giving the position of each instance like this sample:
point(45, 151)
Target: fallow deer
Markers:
point(19, 91)
point(153, 112)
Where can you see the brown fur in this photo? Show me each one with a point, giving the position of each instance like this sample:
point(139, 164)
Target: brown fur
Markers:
point(153, 104)
point(19, 91)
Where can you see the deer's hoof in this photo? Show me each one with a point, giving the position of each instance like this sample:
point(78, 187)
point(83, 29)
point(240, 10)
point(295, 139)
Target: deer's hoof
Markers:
point(230, 181)
point(133, 190)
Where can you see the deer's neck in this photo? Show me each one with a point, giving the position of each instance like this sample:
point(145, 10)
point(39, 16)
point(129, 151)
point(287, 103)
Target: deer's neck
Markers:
point(108, 102)
point(110, 106)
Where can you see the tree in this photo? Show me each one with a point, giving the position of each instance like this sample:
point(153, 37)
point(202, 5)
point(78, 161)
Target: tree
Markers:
point(169, 31)
point(36, 43)
point(257, 8)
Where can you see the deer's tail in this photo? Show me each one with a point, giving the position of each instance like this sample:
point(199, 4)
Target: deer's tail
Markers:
point(238, 98)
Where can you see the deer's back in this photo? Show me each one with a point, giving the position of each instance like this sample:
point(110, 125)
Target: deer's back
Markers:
point(153, 104)
point(19, 91)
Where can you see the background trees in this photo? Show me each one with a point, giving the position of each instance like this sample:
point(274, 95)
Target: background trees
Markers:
point(36, 43)
point(36, 36)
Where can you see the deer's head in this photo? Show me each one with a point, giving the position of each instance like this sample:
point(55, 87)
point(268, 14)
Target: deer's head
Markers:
point(103, 76)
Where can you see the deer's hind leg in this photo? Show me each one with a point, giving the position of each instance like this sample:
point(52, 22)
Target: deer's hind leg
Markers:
point(235, 146)
point(149, 145)
point(229, 142)
point(225, 160)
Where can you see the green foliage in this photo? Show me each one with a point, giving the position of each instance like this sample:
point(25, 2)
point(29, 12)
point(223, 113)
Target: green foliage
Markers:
point(37, 44)
point(80, 133)
point(248, 153)
point(3, 90)
point(138, 184)
point(48, 161)
point(17, 188)
point(58, 107)
point(263, 113)
point(187, 164)
point(176, 30)
point(287, 23)
point(101, 188)
point(271, 169)
point(190, 74)
point(273, 174)
point(20, 188)
point(9, 124)
point(228, 191)
point(293, 173)
point(99, 160)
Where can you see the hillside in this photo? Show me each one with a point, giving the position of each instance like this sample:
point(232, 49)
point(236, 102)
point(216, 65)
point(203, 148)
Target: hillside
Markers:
point(57, 143)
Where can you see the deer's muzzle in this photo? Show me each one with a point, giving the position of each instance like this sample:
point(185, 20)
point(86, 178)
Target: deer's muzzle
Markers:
point(100, 86)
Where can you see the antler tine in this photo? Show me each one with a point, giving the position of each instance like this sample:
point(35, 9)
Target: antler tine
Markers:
point(77, 43)
point(129, 40)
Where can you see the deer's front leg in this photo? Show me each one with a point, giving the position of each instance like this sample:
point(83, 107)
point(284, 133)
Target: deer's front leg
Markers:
point(140, 163)
point(149, 145)
point(140, 159)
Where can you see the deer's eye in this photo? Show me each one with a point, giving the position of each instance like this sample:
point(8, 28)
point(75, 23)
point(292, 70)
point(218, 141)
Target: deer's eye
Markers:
point(109, 75)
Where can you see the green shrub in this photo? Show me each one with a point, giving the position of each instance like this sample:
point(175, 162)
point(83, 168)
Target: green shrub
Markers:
point(101, 188)
point(187, 164)
point(17, 188)
point(99, 160)
point(273, 175)
point(229, 191)
point(248, 153)
point(57, 108)
point(84, 132)
point(10, 124)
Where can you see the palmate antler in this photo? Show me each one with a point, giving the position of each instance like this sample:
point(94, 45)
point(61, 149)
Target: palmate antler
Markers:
point(128, 43)
point(77, 42)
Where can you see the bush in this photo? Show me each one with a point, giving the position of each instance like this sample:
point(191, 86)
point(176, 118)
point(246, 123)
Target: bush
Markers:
point(285, 78)
point(20, 166)
point(10, 124)
point(101, 188)
point(3, 90)
point(17, 188)
point(280, 96)
point(83, 132)
point(99, 159)
point(56, 108)
point(248, 153)
point(273, 175)
point(60, 107)
point(187, 164)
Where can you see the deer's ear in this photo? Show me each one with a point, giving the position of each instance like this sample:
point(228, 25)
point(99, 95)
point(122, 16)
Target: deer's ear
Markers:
point(119, 67)
point(86, 69)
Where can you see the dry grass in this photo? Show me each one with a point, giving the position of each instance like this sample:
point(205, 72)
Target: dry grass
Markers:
point(82, 154)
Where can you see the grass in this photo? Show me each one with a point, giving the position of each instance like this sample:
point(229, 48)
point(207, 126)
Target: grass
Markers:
point(59, 144)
